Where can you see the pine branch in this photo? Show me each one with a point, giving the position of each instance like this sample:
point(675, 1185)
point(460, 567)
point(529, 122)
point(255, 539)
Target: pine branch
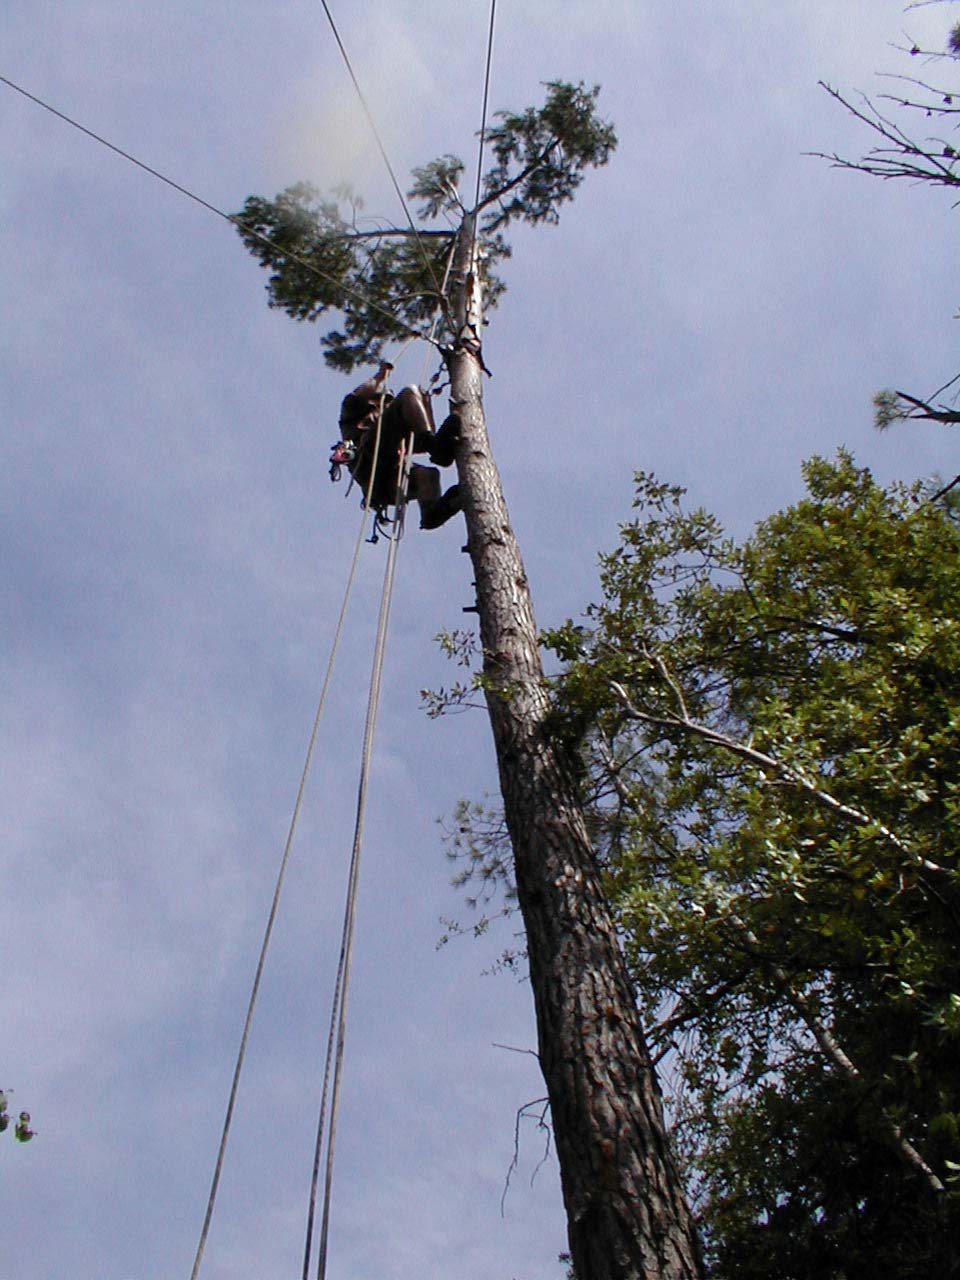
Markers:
point(922, 409)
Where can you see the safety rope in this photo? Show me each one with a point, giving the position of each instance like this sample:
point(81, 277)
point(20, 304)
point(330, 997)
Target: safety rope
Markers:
point(338, 1014)
point(369, 729)
point(284, 861)
point(337, 1010)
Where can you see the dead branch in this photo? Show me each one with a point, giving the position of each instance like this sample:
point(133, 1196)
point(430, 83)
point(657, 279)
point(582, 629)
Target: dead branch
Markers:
point(514, 1163)
point(923, 409)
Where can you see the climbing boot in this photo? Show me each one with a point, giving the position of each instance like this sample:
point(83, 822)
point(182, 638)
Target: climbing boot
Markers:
point(424, 484)
point(442, 446)
point(437, 512)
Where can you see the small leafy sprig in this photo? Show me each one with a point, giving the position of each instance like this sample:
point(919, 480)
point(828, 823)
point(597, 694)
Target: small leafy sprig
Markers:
point(21, 1129)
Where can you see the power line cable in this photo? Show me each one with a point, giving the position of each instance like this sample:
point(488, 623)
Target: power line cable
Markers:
point(486, 95)
point(383, 152)
point(212, 208)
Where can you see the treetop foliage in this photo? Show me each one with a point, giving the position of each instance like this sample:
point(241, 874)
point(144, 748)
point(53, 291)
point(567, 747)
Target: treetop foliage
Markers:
point(385, 282)
point(542, 154)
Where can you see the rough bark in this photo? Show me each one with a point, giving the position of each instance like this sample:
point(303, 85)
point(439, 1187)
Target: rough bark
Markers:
point(626, 1213)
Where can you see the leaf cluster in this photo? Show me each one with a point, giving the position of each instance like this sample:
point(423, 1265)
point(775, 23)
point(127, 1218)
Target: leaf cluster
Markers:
point(21, 1129)
point(542, 153)
point(381, 284)
point(771, 737)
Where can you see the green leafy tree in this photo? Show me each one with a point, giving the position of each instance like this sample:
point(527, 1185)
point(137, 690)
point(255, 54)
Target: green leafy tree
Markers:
point(770, 732)
point(626, 1212)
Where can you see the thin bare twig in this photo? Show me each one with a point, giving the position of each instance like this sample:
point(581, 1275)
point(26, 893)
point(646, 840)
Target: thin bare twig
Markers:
point(941, 493)
point(514, 1163)
point(904, 158)
point(513, 1049)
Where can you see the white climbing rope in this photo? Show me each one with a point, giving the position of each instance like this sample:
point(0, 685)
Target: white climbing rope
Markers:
point(338, 1015)
point(284, 861)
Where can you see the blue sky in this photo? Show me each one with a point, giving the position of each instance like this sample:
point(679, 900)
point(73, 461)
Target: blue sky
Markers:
point(715, 307)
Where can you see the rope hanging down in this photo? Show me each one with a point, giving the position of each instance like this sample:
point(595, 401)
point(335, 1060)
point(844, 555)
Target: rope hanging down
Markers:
point(338, 1014)
point(337, 1030)
point(284, 861)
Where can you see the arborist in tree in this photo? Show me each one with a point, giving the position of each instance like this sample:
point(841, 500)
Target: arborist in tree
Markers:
point(402, 417)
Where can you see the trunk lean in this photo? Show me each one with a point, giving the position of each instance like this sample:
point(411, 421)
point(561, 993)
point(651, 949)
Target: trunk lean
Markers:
point(626, 1212)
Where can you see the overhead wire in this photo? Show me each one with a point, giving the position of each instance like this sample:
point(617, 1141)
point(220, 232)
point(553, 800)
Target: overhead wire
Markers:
point(227, 217)
point(383, 151)
point(486, 97)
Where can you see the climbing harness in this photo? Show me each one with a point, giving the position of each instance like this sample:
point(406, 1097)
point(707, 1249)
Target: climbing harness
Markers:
point(343, 454)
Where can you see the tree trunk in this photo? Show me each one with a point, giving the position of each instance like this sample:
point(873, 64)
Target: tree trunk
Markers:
point(626, 1212)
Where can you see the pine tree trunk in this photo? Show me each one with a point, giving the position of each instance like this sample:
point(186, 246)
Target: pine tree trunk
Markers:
point(626, 1213)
